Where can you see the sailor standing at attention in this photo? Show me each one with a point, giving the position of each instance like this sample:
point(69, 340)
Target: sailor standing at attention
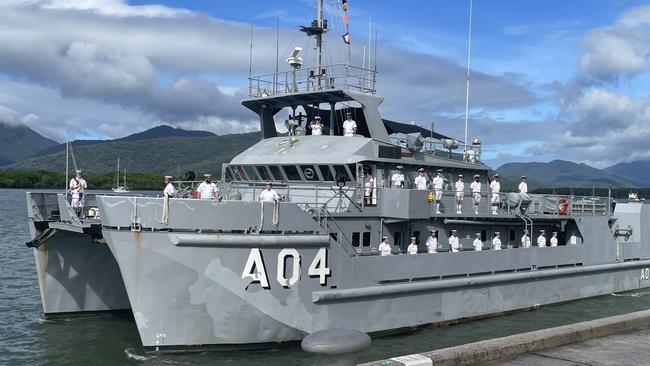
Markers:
point(349, 126)
point(208, 190)
point(541, 239)
point(169, 187)
point(460, 192)
point(496, 242)
point(397, 179)
point(438, 182)
point(553, 239)
point(432, 242)
point(316, 126)
point(523, 186)
point(413, 247)
point(421, 180)
point(475, 188)
point(478, 244)
point(384, 247)
point(269, 194)
point(78, 186)
point(525, 240)
point(453, 242)
point(495, 188)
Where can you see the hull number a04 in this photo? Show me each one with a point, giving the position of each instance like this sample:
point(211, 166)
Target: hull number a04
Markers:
point(645, 273)
point(256, 270)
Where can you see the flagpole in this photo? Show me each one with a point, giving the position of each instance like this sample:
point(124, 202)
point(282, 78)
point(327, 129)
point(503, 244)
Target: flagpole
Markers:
point(469, 54)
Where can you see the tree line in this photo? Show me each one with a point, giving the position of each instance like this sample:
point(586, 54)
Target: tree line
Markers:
point(50, 180)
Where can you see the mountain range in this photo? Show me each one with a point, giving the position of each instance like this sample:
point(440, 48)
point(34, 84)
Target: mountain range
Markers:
point(168, 150)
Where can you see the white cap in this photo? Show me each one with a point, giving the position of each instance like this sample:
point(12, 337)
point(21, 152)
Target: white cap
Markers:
point(78, 171)
point(207, 175)
point(168, 177)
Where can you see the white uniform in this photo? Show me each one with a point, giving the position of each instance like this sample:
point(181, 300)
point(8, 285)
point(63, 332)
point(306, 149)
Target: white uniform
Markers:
point(421, 182)
point(384, 249)
point(496, 243)
point(316, 129)
point(269, 195)
point(348, 127)
point(475, 188)
point(398, 180)
point(541, 241)
point(478, 244)
point(438, 181)
point(460, 190)
point(553, 241)
point(77, 187)
point(525, 241)
point(207, 191)
point(495, 188)
point(412, 249)
point(453, 243)
point(523, 188)
point(169, 191)
point(368, 185)
point(573, 240)
point(432, 244)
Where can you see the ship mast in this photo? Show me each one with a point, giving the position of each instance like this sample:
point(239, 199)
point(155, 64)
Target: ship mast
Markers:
point(317, 28)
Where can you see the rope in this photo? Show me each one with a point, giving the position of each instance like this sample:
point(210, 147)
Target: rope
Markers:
point(276, 213)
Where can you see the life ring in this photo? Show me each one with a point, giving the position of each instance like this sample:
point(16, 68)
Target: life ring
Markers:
point(563, 206)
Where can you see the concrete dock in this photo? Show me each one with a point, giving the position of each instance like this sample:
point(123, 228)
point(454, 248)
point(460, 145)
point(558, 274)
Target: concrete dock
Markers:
point(617, 340)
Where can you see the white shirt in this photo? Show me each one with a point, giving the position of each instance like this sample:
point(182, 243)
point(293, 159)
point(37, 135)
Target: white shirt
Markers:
point(78, 185)
point(475, 187)
point(523, 187)
point(207, 191)
point(460, 188)
point(348, 127)
point(478, 244)
point(384, 249)
point(169, 190)
point(541, 241)
point(432, 244)
point(525, 241)
point(269, 195)
point(438, 182)
point(496, 243)
point(316, 129)
point(412, 249)
point(368, 183)
point(495, 186)
point(397, 179)
point(421, 182)
point(573, 240)
point(553, 241)
point(453, 243)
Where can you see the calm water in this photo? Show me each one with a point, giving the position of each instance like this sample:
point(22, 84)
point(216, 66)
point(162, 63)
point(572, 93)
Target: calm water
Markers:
point(26, 338)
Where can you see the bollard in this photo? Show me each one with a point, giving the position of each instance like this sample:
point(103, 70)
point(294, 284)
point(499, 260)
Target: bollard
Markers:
point(336, 347)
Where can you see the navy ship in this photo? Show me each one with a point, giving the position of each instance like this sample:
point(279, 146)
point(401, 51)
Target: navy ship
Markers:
point(243, 273)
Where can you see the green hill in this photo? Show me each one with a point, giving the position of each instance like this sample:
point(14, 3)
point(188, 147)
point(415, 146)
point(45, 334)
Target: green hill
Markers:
point(20, 142)
point(168, 155)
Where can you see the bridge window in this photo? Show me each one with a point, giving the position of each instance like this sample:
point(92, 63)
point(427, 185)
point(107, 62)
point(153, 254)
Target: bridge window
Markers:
point(261, 170)
point(326, 172)
point(291, 172)
point(341, 171)
point(276, 173)
point(249, 171)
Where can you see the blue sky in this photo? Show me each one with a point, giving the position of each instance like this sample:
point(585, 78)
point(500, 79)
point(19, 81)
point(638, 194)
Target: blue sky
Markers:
point(551, 79)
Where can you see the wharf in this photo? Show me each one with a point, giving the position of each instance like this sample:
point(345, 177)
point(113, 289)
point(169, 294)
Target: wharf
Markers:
point(616, 340)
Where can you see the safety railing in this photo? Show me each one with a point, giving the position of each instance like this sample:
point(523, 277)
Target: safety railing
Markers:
point(450, 149)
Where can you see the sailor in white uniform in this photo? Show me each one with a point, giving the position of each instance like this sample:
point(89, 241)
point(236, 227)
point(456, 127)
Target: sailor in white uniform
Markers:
point(208, 190)
point(525, 240)
point(316, 126)
point(475, 188)
point(169, 191)
point(496, 242)
point(553, 239)
point(78, 186)
point(573, 239)
point(397, 179)
point(495, 188)
point(384, 247)
point(349, 125)
point(454, 245)
point(413, 247)
point(460, 193)
point(477, 243)
point(269, 194)
point(523, 186)
point(369, 185)
point(421, 180)
point(432, 242)
point(438, 182)
point(541, 239)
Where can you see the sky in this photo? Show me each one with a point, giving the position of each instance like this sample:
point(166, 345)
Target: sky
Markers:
point(549, 79)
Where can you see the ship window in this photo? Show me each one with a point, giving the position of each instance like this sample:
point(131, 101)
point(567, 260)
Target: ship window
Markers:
point(276, 173)
point(309, 172)
point(326, 172)
point(229, 175)
point(483, 235)
point(353, 170)
point(366, 239)
point(355, 239)
point(249, 172)
point(291, 172)
point(341, 171)
point(237, 172)
point(264, 174)
point(398, 238)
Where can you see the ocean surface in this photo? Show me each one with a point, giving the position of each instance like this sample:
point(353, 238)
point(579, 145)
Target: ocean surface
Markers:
point(27, 338)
